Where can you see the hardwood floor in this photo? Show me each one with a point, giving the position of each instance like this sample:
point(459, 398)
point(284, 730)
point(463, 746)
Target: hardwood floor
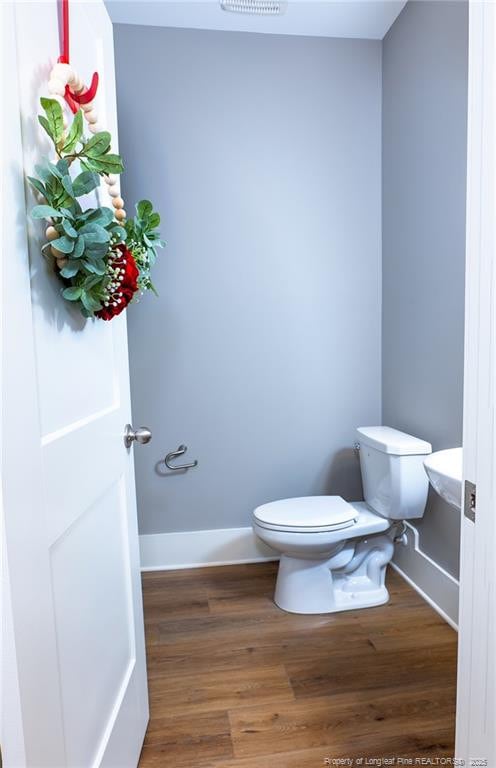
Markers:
point(237, 683)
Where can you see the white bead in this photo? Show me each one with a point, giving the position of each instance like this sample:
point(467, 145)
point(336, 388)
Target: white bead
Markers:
point(63, 72)
point(56, 86)
point(92, 116)
point(114, 191)
point(78, 84)
point(93, 128)
point(112, 178)
point(87, 107)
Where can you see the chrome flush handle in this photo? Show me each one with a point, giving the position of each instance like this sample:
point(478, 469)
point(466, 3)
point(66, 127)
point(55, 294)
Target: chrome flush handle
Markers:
point(142, 435)
point(178, 452)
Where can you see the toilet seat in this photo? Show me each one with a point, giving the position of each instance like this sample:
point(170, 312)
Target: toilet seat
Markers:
point(306, 514)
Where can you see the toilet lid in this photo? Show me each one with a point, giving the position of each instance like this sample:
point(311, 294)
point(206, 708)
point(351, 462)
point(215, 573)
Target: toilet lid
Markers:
point(307, 514)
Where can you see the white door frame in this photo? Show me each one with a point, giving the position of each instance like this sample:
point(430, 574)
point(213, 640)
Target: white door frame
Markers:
point(476, 711)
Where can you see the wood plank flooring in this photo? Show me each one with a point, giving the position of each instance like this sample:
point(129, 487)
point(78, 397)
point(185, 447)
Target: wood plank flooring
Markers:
point(237, 683)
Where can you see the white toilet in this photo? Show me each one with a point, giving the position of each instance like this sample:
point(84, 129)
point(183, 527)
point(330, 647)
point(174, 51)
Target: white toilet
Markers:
point(334, 553)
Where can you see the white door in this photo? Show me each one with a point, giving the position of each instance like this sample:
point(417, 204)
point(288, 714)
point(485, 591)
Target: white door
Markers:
point(68, 479)
point(476, 704)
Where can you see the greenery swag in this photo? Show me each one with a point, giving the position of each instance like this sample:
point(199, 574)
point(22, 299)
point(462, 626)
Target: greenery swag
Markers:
point(103, 259)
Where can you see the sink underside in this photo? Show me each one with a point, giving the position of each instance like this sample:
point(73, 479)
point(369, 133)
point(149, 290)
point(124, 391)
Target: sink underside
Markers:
point(444, 469)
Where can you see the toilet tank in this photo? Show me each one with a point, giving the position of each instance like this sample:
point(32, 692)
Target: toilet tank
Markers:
point(395, 484)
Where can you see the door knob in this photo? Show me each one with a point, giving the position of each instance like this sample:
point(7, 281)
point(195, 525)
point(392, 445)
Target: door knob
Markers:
point(142, 435)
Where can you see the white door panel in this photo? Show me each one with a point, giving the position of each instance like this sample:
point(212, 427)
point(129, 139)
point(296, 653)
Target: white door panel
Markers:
point(70, 509)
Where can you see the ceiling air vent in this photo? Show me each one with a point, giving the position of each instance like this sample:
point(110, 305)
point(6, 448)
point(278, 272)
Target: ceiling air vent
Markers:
point(257, 7)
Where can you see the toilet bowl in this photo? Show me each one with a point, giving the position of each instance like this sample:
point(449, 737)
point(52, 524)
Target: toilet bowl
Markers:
point(334, 553)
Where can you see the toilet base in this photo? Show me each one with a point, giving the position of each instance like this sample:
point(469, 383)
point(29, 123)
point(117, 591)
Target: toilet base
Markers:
point(313, 586)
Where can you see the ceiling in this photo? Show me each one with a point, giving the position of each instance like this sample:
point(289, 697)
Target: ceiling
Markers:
point(322, 18)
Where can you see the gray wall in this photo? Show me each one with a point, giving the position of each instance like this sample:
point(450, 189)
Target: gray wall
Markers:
point(424, 174)
point(263, 351)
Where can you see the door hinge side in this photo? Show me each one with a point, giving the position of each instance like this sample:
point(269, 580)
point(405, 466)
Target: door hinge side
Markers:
point(469, 506)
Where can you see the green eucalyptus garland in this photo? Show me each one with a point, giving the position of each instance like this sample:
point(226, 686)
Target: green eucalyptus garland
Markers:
point(103, 259)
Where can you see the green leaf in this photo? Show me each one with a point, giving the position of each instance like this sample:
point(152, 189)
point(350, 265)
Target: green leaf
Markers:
point(71, 269)
point(144, 208)
point(45, 212)
point(106, 164)
point(89, 302)
point(84, 215)
point(90, 282)
point(63, 244)
point(67, 184)
point(95, 251)
point(75, 133)
point(54, 170)
point(78, 248)
point(43, 173)
point(118, 231)
point(101, 216)
point(69, 230)
point(154, 220)
point(73, 293)
point(67, 213)
point(97, 267)
point(46, 125)
point(55, 122)
point(94, 233)
point(63, 166)
point(97, 145)
point(36, 183)
point(84, 183)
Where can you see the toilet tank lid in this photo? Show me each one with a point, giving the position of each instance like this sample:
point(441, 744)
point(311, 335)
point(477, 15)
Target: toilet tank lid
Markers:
point(389, 440)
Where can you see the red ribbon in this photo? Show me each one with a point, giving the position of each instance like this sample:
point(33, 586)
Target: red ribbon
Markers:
point(74, 100)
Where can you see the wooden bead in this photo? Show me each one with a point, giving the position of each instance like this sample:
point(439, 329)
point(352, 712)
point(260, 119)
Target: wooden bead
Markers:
point(56, 253)
point(61, 262)
point(56, 86)
point(114, 191)
point(120, 214)
point(92, 116)
point(77, 83)
point(118, 202)
point(51, 233)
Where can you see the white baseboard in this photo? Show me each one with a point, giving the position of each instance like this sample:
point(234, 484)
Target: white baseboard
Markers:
point(438, 587)
point(197, 549)
point(230, 546)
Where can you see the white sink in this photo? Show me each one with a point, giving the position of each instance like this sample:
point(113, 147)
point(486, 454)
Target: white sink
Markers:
point(444, 469)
